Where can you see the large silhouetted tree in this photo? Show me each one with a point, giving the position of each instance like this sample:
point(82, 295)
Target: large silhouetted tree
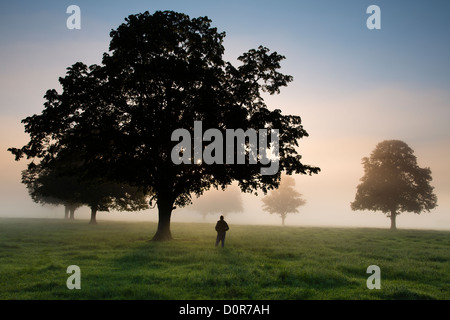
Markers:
point(283, 200)
point(163, 72)
point(394, 183)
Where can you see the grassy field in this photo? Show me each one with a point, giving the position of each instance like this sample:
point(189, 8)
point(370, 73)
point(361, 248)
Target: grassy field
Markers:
point(118, 261)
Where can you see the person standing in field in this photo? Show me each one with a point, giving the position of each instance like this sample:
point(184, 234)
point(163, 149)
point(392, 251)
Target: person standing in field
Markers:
point(221, 228)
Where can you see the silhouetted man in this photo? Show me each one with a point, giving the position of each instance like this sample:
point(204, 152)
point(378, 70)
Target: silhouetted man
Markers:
point(221, 228)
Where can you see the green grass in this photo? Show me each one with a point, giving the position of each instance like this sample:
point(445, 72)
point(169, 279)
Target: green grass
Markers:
point(118, 261)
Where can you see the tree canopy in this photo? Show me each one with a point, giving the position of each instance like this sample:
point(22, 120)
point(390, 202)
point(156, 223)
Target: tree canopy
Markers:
point(56, 186)
point(47, 188)
point(164, 71)
point(394, 183)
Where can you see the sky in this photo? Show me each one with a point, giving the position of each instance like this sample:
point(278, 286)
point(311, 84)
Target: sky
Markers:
point(353, 87)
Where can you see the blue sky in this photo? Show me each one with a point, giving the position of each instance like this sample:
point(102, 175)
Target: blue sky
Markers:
point(352, 86)
point(411, 48)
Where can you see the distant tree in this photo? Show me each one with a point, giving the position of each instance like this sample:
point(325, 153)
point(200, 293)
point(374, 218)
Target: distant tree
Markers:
point(163, 72)
point(283, 200)
point(46, 188)
point(219, 202)
point(103, 196)
point(394, 183)
point(55, 186)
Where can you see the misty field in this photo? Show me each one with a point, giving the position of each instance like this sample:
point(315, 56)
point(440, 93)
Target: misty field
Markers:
point(118, 261)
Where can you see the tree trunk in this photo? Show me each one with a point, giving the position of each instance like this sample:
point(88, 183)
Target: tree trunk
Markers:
point(283, 217)
point(93, 215)
point(66, 212)
point(393, 216)
point(165, 207)
point(72, 214)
